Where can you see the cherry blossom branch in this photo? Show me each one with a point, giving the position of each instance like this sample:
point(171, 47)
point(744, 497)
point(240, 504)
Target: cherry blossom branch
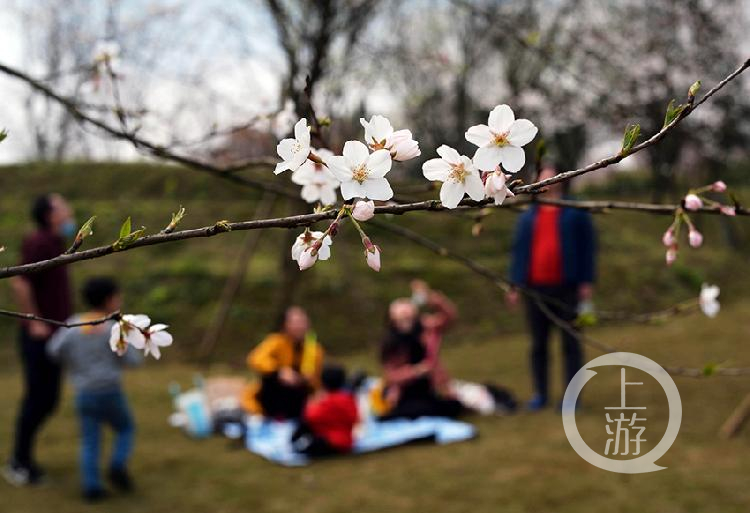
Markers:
point(227, 173)
point(114, 316)
point(305, 220)
point(614, 159)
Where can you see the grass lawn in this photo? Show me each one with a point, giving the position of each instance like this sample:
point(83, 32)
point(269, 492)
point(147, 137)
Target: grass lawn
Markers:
point(522, 463)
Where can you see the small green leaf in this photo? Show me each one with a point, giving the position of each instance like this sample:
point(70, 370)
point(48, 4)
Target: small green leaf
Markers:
point(673, 112)
point(632, 132)
point(694, 89)
point(709, 369)
point(586, 319)
point(87, 229)
point(125, 228)
point(3, 134)
point(176, 218)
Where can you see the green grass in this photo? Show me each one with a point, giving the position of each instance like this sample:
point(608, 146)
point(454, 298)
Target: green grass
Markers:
point(519, 464)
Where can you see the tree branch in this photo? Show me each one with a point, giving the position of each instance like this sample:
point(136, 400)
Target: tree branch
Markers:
point(114, 316)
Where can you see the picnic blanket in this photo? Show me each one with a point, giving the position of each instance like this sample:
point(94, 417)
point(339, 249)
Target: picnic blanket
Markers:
point(271, 439)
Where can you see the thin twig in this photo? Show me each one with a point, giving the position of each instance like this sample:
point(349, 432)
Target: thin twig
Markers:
point(114, 316)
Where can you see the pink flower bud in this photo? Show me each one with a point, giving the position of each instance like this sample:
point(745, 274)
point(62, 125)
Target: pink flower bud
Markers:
point(367, 243)
point(373, 258)
point(363, 210)
point(693, 202)
point(403, 147)
point(671, 255)
point(695, 237)
point(727, 211)
point(668, 238)
point(718, 186)
point(306, 259)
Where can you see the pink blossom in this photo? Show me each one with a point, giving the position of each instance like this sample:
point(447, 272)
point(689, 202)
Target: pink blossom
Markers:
point(668, 239)
point(727, 211)
point(695, 237)
point(719, 186)
point(307, 259)
point(373, 258)
point(671, 254)
point(363, 210)
point(693, 202)
point(403, 146)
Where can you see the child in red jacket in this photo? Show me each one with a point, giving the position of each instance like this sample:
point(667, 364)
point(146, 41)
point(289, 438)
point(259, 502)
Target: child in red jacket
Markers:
point(329, 419)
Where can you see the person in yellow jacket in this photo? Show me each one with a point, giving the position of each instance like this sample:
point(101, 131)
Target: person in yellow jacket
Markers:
point(289, 364)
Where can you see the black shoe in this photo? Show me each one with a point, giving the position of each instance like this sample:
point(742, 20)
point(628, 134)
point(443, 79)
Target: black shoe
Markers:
point(120, 479)
point(94, 495)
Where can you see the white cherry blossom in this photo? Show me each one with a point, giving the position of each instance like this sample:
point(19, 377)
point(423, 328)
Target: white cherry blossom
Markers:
point(127, 331)
point(302, 249)
point(500, 141)
point(154, 337)
point(458, 174)
point(361, 173)
point(318, 183)
point(708, 302)
point(294, 151)
point(379, 135)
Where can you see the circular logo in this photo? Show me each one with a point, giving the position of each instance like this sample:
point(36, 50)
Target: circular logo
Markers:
point(641, 464)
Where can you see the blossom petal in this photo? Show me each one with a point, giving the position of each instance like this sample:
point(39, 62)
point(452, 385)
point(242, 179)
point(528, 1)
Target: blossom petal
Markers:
point(436, 170)
point(351, 189)
point(474, 186)
point(449, 154)
point(378, 189)
point(339, 167)
point(302, 132)
point(379, 163)
point(355, 153)
point(522, 132)
point(328, 194)
point(451, 193)
point(501, 118)
point(285, 149)
point(479, 135)
point(487, 158)
point(512, 158)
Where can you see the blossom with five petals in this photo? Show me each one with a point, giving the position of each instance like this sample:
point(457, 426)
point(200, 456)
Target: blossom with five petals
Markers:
point(361, 173)
point(500, 141)
point(294, 151)
point(458, 174)
point(379, 135)
point(318, 183)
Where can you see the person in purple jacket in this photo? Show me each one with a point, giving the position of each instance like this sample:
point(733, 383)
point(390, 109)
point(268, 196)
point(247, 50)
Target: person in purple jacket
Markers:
point(46, 294)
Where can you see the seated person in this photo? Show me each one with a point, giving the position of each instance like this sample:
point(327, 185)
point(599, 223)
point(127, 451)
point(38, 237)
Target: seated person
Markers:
point(289, 364)
point(415, 383)
point(329, 419)
point(95, 372)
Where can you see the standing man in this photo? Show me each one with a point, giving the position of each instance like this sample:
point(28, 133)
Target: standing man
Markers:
point(554, 256)
point(45, 294)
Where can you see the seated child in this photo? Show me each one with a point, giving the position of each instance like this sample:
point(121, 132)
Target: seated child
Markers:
point(329, 418)
point(94, 371)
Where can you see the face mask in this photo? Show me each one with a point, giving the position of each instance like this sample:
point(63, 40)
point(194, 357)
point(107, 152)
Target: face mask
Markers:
point(68, 229)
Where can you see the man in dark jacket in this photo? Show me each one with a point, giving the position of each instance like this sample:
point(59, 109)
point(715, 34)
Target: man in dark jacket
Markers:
point(46, 294)
point(554, 256)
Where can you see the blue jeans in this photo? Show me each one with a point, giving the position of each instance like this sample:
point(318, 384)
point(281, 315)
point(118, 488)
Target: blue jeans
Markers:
point(95, 408)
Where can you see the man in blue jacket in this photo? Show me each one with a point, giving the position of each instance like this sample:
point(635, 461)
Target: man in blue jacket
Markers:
point(553, 255)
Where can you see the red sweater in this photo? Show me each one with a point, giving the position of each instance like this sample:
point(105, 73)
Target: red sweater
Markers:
point(333, 417)
point(546, 248)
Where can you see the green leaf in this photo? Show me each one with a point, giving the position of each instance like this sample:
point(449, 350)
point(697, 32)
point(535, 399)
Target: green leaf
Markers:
point(694, 89)
point(125, 228)
point(709, 369)
point(586, 319)
point(3, 134)
point(632, 132)
point(88, 228)
point(673, 112)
